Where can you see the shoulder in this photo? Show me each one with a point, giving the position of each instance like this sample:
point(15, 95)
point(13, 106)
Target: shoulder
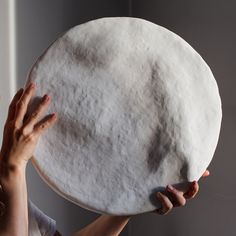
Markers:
point(45, 224)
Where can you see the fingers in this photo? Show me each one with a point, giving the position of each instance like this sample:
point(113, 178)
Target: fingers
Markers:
point(206, 173)
point(44, 124)
point(34, 117)
point(194, 187)
point(12, 106)
point(166, 204)
point(177, 196)
point(192, 191)
point(176, 199)
point(22, 104)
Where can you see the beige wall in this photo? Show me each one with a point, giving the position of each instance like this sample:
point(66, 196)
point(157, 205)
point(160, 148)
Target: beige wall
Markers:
point(5, 83)
point(209, 26)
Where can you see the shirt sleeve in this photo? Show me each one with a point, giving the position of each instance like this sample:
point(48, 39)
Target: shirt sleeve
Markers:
point(39, 223)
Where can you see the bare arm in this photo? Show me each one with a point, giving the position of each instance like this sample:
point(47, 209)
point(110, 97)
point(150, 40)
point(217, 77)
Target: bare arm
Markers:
point(104, 225)
point(19, 141)
point(14, 195)
point(112, 225)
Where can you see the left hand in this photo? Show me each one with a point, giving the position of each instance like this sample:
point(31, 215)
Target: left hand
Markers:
point(178, 198)
point(20, 134)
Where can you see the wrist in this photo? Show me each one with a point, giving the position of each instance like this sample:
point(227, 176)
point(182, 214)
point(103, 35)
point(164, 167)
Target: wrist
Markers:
point(116, 220)
point(11, 174)
point(113, 224)
point(11, 164)
point(7, 167)
point(123, 219)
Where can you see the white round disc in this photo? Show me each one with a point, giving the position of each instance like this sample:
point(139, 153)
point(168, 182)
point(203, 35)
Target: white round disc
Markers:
point(138, 108)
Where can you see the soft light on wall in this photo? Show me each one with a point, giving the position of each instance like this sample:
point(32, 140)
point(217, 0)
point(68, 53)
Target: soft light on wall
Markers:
point(7, 57)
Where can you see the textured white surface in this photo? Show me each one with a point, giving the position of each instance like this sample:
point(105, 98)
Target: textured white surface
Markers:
point(138, 108)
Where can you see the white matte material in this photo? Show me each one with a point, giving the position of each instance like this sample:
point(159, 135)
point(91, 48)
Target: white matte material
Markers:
point(138, 108)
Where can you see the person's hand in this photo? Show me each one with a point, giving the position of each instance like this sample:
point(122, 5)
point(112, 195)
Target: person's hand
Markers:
point(172, 197)
point(21, 133)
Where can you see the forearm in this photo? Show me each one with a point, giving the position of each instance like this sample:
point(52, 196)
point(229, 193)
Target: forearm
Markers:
point(14, 222)
point(105, 225)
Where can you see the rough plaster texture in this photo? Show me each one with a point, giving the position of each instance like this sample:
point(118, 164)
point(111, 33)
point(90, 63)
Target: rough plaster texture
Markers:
point(138, 108)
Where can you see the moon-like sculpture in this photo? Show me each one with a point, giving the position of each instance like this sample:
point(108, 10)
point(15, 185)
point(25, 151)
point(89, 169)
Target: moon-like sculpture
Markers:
point(138, 108)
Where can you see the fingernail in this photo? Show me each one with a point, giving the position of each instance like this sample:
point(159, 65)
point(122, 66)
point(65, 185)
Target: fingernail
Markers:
point(32, 85)
point(53, 115)
point(170, 187)
point(46, 97)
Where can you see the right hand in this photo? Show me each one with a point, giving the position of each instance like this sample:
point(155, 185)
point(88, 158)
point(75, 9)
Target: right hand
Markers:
point(178, 198)
point(21, 135)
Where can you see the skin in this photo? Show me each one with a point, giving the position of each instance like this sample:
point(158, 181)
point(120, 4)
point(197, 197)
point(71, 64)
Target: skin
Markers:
point(20, 137)
point(19, 141)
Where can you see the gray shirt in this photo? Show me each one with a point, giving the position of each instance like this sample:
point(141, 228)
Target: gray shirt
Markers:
point(39, 223)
